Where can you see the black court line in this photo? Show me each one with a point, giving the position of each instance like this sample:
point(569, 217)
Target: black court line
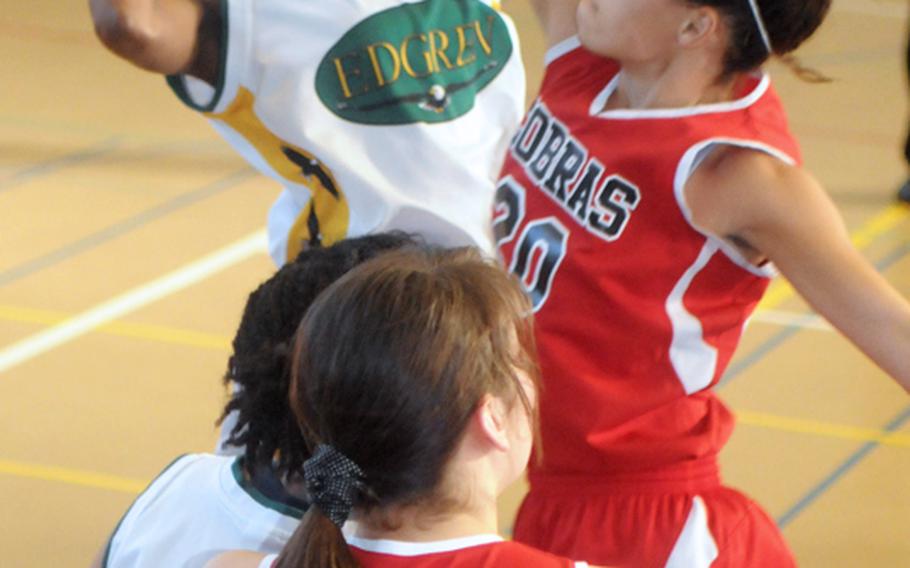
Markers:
point(58, 163)
point(114, 231)
point(893, 425)
point(812, 495)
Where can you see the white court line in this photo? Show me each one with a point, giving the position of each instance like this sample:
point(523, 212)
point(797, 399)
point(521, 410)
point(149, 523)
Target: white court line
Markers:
point(881, 8)
point(794, 319)
point(80, 324)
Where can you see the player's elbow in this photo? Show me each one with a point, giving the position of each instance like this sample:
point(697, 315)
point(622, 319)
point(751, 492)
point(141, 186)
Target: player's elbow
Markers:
point(124, 32)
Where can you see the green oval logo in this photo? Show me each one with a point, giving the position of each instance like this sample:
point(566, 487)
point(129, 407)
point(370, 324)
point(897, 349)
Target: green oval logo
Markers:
point(418, 62)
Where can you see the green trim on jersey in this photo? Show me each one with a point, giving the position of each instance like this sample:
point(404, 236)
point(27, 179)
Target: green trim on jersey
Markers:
point(179, 87)
point(107, 549)
point(244, 483)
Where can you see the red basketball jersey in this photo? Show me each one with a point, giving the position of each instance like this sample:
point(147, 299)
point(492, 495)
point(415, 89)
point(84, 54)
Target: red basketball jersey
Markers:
point(473, 552)
point(638, 312)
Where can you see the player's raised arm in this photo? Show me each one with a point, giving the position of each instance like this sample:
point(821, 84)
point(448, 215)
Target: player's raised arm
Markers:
point(557, 18)
point(783, 212)
point(164, 36)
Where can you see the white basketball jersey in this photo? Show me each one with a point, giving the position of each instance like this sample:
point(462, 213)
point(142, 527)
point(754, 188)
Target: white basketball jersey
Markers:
point(199, 506)
point(373, 114)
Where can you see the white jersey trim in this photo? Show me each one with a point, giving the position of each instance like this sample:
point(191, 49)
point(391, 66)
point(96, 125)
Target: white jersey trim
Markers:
point(695, 547)
point(687, 166)
point(402, 548)
point(558, 50)
point(628, 114)
point(693, 359)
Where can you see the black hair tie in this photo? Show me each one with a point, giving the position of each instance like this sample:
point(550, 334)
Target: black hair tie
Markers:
point(332, 481)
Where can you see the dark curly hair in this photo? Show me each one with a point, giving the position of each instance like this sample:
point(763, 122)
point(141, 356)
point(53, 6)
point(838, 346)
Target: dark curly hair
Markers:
point(266, 428)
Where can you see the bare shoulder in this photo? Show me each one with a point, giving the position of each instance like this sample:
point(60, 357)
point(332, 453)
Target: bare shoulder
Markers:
point(735, 166)
point(735, 189)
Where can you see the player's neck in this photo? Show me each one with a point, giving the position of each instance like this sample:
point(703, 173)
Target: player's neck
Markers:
point(685, 81)
point(464, 505)
point(415, 525)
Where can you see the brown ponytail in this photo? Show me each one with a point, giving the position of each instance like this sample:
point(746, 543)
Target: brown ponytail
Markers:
point(804, 73)
point(389, 365)
point(317, 543)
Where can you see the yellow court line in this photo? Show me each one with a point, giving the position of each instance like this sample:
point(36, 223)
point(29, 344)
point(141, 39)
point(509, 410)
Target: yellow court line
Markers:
point(758, 419)
point(73, 477)
point(825, 429)
point(895, 214)
point(158, 333)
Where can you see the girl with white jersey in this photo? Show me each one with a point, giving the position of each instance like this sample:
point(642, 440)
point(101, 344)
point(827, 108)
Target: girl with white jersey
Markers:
point(645, 203)
point(372, 115)
point(419, 406)
point(203, 504)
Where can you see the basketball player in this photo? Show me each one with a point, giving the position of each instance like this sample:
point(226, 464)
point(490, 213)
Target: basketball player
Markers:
point(645, 202)
point(379, 115)
point(203, 504)
point(419, 405)
point(387, 114)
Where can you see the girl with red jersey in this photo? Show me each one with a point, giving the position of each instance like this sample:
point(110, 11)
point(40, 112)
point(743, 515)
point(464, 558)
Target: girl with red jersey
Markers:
point(645, 201)
point(414, 379)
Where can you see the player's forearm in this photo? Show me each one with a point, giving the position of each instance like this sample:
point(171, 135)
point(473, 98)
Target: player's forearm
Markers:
point(124, 26)
point(869, 312)
point(895, 359)
point(886, 340)
point(158, 35)
point(785, 214)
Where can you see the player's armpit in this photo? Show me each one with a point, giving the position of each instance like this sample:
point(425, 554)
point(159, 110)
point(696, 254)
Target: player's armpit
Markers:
point(164, 36)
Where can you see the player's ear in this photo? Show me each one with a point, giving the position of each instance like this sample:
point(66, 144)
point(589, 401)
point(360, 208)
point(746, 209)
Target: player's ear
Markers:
point(700, 24)
point(491, 421)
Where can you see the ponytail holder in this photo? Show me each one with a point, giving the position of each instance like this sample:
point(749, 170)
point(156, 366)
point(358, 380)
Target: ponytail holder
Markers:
point(332, 481)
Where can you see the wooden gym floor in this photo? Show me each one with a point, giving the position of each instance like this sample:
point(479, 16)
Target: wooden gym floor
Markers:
point(130, 235)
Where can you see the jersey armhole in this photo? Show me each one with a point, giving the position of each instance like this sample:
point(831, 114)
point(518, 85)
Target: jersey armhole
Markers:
point(690, 161)
point(236, 23)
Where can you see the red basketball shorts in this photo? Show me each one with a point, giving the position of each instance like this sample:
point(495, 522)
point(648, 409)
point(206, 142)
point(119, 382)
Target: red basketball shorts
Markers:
point(716, 527)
